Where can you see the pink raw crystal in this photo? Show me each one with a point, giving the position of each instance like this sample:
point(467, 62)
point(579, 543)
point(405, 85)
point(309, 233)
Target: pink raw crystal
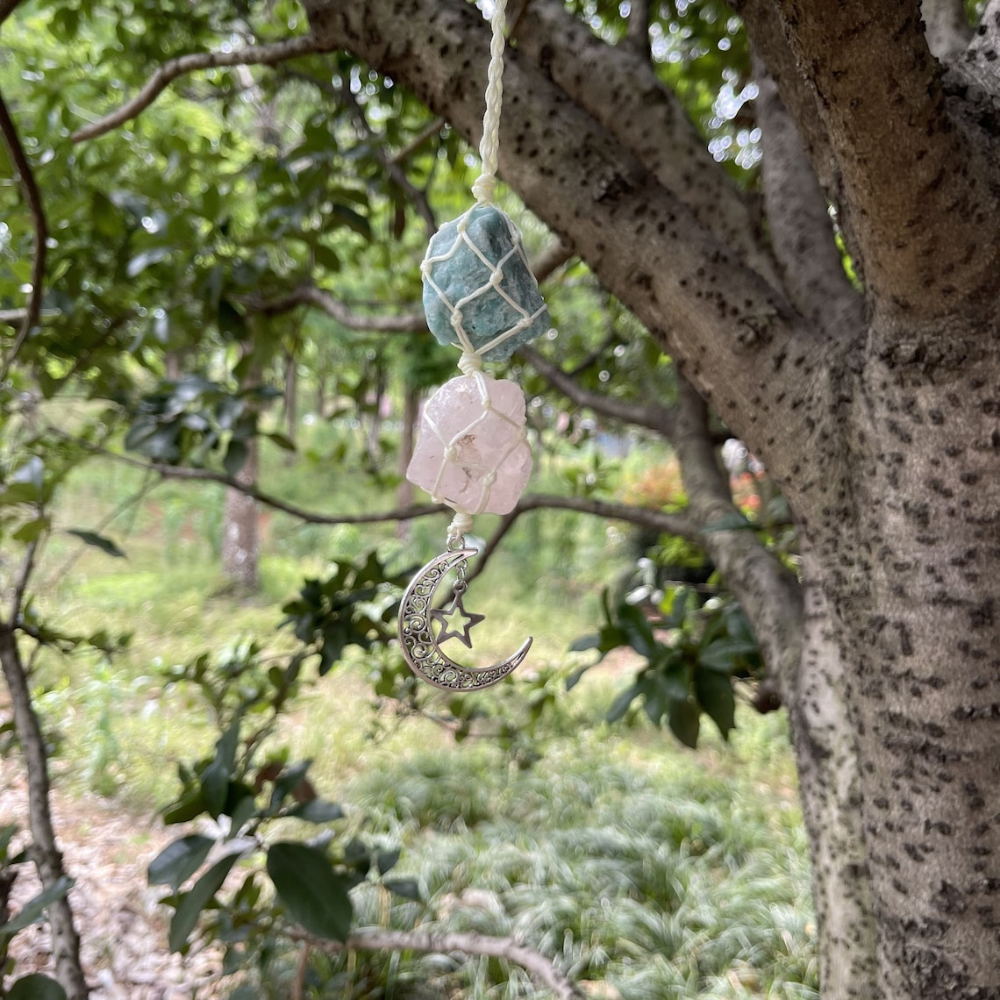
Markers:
point(471, 452)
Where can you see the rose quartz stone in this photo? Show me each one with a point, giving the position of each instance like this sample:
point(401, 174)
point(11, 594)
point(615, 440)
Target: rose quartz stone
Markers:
point(471, 453)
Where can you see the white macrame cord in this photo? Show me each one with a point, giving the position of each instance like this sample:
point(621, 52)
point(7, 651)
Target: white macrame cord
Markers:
point(471, 361)
point(485, 186)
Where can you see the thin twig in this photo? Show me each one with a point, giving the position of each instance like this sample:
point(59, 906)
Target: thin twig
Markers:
point(7, 8)
point(210, 476)
point(254, 55)
point(301, 967)
point(595, 355)
point(413, 321)
point(311, 295)
point(537, 965)
point(433, 128)
point(148, 485)
point(416, 197)
point(34, 201)
point(27, 565)
point(493, 542)
point(653, 416)
point(674, 524)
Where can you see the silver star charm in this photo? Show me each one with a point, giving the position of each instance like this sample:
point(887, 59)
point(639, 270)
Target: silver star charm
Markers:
point(456, 621)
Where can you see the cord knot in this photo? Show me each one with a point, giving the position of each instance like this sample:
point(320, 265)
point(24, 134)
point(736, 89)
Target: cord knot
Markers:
point(484, 189)
point(470, 362)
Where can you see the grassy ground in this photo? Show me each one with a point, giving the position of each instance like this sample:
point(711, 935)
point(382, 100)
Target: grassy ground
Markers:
point(638, 865)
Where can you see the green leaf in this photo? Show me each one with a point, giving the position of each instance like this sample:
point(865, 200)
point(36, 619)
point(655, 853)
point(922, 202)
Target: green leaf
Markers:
point(216, 777)
point(146, 259)
point(584, 643)
point(342, 215)
point(317, 811)
point(33, 910)
point(684, 722)
point(282, 441)
point(31, 531)
point(286, 782)
point(36, 987)
point(236, 456)
point(101, 542)
point(637, 629)
point(185, 917)
point(386, 860)
point(20, 493)
point(178, 861)
point(408, 888)
point(325, 258)
point(620, 705)
point(715, 695)
point(721, 655)
point(185, 808)
point(315, 895)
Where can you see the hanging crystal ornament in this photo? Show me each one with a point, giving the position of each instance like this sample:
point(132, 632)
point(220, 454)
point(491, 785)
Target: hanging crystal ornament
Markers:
point(480, 296)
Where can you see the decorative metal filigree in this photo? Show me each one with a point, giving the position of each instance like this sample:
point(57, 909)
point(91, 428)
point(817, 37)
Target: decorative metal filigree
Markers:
point(420, 646)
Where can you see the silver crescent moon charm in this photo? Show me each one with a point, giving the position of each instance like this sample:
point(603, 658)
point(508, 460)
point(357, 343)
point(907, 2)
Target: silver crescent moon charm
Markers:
point(420, 647)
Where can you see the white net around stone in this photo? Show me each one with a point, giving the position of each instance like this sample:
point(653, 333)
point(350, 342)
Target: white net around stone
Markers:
point(479, 292)
point(472, 453)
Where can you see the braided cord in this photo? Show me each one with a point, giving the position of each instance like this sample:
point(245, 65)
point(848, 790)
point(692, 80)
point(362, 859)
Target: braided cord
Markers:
point(484, 188)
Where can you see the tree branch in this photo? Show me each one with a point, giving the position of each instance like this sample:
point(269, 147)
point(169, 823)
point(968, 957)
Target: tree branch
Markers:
point(7, 7)
point(276, 503)
point(253, 55)
point(431, 129)
point(547, 261)
point(416, 197)
point(801, 233)
point(33, 199)
point(948, 29)
point(541, 969)
point(872, 68)
point(980, 59)
point(645, 246)
point(23, 577)
point(320, 299)
point(768, 592)
point(652, 416)
point(644, 517)
point(619, 87)
point(768, 44)
point(637, 34)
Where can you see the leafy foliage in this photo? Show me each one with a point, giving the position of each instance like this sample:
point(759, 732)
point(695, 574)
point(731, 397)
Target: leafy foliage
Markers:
point(354, 606)
point(245, 795)
point(692, 652)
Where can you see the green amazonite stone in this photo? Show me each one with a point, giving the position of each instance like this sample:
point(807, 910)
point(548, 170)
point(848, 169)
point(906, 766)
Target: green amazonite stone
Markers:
point(490, 291)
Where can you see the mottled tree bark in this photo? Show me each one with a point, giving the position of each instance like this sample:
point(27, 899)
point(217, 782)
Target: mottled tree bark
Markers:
point(240, 529)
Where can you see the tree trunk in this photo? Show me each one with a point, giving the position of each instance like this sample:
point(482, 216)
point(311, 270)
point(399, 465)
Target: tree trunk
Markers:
point(879, 422)
point(44, 851)
point(240, 537)
point(829, 786)
point(911, 551)
point(320, 404)
point(407, 435)
point(291, 402)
